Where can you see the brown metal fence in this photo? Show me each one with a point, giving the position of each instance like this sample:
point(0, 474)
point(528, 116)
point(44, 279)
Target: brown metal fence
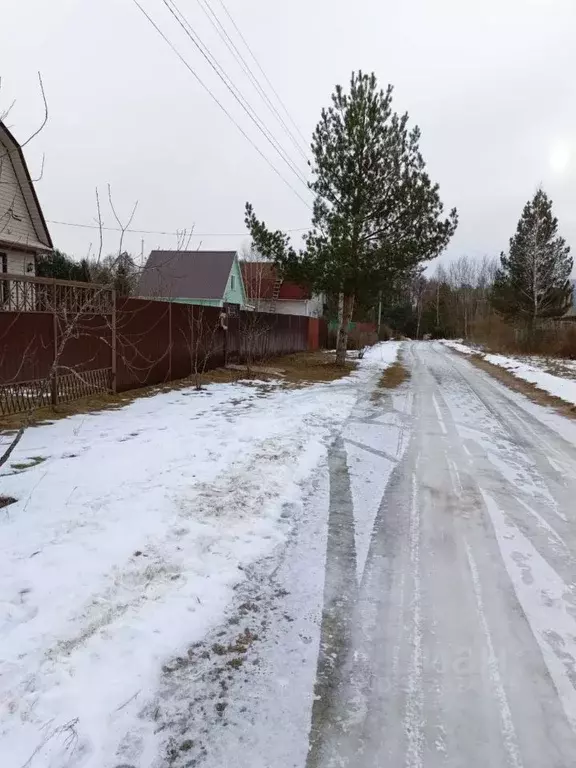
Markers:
point(162, 341)
point(80, 340)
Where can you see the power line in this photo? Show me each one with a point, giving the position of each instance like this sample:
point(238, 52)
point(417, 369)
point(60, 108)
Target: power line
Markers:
point(274, 91)
point(244, 103)
point(158, 232)
point(231, 45)
point(219, 103)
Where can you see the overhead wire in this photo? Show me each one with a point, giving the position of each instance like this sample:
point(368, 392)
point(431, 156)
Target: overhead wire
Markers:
point(251, 52)
point(159, 232)
point(232, 47)
point(219, 103)
point(236, 93)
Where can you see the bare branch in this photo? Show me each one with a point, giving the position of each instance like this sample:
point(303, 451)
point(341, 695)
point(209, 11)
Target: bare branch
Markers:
point(123, 227)
point(99, 220)
point(36, 132)
point(4, 115)
point(8, 452)
point(39, 178)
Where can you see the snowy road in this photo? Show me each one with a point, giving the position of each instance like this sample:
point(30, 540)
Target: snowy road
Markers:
point(456, 644)
point(337, 576)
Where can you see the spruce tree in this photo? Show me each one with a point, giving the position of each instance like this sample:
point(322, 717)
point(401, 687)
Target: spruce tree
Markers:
point(59, 265)
point(533, 281)
point(376, 212)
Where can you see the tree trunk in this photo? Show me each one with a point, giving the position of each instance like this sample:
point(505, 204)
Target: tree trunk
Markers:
point(345, 317)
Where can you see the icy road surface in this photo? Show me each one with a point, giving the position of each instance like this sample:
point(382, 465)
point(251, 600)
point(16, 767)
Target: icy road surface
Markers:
point(456, 645)
point(332, 577)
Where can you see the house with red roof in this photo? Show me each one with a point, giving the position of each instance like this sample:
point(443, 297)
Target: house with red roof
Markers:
point(267, 291)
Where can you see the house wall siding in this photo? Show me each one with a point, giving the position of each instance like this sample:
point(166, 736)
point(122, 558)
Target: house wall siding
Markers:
point(17, 262)
point(235, 295)
point(304, 307)
point(15, 221)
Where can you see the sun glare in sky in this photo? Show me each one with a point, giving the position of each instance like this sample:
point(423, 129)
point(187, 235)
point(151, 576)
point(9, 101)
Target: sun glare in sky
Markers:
point(560, 156)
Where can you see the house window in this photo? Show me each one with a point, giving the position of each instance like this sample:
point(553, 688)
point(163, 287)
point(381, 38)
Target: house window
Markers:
point(232, 282)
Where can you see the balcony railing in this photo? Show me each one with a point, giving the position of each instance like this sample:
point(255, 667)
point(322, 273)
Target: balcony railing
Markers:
point(20, 293)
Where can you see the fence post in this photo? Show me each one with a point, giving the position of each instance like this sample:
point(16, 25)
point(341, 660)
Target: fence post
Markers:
point(169, 341)
point(54, 382)
point(193, 357)
point(225, 332)
point(114, 361)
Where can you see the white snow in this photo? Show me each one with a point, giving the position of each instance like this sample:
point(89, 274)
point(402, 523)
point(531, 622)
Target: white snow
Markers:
point(508, 730)
point(371, 455)
point(125, 545)
point(542, 595)
point(458, 346)
point(413, 716)
point(529, 369)
point(554, 385)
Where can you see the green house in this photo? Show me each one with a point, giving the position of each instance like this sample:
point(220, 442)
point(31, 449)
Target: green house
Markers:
point(207, 278)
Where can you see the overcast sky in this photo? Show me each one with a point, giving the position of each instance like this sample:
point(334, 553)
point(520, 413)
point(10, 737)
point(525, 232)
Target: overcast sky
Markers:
point(492, 84)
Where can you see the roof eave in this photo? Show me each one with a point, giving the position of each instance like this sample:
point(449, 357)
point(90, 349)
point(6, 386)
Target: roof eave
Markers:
point(28, 189)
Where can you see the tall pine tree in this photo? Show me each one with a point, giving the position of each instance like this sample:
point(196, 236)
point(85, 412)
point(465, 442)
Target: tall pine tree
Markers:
point(533, 281)
point(376, 212)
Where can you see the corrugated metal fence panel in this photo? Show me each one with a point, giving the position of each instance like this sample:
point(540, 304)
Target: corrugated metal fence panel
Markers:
point(26, 346)
point(323, 333)
point(233, 340)
point(142, 343)
point(198, 339)
point(263, 334)
point(87, 343)
point(182, 328)
point(209, 338)
point(156, 342)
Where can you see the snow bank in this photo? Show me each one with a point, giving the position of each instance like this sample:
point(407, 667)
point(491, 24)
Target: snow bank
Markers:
point(380, 356)
point(130, 532)
point(529, 369)
point(554, 385)
point(458, 346)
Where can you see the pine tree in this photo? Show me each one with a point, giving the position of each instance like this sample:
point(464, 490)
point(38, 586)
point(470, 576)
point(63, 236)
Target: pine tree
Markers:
point(533, 281)
point(376, 212)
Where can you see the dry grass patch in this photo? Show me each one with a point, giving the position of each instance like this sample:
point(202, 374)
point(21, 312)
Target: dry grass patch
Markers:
point(309, 367)
point(524, 387)
point(395, 375)
point(297, 369)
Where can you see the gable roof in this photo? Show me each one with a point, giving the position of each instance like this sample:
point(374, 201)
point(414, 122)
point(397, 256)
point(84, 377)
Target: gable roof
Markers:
point(11, 151)
point(186, 274)
point(260, 278)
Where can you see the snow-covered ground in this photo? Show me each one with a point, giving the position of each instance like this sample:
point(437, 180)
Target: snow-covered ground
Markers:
point(559, 386)
point(536, 370)
point(458, 346)
point(132, 532)
point(458, 645)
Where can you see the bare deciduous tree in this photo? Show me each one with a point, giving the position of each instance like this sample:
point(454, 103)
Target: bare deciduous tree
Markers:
point(201, 340)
